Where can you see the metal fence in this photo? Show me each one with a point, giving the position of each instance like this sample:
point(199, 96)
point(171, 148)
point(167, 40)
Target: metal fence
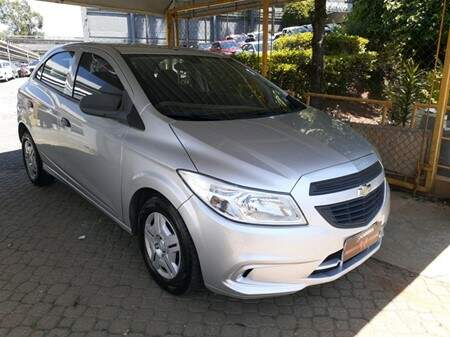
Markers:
point(13, 53)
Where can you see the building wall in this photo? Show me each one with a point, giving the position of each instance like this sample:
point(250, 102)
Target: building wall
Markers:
point(108, 26)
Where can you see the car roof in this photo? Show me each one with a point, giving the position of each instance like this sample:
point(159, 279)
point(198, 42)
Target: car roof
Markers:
point(140, 49)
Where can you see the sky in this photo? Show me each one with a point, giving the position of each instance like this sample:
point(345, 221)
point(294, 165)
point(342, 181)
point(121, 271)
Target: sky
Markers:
point(59, 20)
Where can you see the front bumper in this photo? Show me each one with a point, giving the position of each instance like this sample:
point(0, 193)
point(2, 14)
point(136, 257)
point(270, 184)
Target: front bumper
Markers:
point(250, 261)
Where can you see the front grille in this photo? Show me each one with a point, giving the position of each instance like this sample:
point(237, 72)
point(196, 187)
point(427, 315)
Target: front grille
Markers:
point(346, 182)
point(355, 212)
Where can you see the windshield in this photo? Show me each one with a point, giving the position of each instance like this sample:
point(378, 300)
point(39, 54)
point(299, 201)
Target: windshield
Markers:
point(207, 88)
point(228, 44)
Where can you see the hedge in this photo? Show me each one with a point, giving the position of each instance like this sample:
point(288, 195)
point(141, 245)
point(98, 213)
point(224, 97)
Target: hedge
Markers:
point(334, 43)
point(344, 73)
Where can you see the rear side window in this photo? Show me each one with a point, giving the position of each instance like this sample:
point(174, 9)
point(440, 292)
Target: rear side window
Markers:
point(95, 75)
point(56, 69)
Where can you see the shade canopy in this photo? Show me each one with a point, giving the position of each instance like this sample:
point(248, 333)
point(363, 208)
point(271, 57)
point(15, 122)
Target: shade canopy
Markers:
point(183, 8)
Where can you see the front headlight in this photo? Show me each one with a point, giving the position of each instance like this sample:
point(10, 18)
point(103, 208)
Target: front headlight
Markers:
point(243, 204)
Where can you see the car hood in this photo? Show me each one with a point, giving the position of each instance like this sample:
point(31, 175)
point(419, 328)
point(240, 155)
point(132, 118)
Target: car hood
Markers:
point(270, 153)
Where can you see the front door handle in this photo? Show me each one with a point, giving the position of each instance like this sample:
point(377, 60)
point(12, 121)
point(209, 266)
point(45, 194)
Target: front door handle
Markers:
point(65, 122)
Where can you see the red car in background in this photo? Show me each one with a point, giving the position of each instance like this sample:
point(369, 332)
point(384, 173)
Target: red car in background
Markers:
point(227, 47)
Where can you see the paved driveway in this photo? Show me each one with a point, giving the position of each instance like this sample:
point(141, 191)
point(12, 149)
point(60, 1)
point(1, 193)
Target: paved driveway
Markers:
point(8, 121)
point(52, 283)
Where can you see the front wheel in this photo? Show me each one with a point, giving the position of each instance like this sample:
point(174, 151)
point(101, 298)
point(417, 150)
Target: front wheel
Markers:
point(167, 247)
point(33, 163)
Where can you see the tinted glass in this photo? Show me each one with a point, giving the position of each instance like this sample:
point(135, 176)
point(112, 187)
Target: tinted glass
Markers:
point(208, 88)
point(95, 75)
point(228, 44)
point(56, 69)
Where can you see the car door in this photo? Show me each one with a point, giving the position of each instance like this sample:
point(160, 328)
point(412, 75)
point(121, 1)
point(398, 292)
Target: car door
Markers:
point(93, 145)
point(43, 98)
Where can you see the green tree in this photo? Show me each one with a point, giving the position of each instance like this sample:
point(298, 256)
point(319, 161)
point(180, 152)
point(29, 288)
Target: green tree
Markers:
point(20, 19)
point(408, 28)
point(297, 13)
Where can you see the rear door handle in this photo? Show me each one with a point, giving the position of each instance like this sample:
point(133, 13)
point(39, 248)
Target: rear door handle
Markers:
point(65, 122)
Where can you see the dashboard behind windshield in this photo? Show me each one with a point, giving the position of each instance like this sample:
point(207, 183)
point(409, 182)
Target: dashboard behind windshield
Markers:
point(207, 88)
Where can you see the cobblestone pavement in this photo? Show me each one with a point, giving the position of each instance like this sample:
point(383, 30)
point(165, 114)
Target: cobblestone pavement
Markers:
point(53, 284)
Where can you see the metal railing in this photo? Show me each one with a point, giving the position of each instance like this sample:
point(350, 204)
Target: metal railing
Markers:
point(427, 162)
point(13, 53)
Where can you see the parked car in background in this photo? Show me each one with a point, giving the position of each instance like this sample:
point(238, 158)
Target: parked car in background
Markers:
point(204, 46)
point(294, 30)
point(253, 47)
point(239, 38)
point(32, 65)
point(15, 68)
point(253, 36)
point(331, 27)
point(24, 70)
point(226, 179)
point(277, 35)
point(227, 47)
point(6, 71)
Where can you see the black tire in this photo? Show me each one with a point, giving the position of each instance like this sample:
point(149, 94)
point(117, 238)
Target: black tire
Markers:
point(189, 275)
point(40, 177)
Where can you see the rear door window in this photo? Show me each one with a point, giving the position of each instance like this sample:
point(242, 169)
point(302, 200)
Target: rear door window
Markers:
point(56, 69)
point(96, 75)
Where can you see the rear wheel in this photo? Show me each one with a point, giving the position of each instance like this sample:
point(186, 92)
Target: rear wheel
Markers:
point(33, 162)
point(167, 247)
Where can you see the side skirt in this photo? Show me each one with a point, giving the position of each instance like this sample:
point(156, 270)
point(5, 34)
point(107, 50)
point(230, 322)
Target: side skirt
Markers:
point(92, 201)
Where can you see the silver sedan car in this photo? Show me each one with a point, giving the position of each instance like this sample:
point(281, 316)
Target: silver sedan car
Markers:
point(226, 179)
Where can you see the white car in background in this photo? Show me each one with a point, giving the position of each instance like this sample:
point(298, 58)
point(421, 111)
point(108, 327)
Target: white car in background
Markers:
point(252, 47)
point(6, 71)
point(295, 30)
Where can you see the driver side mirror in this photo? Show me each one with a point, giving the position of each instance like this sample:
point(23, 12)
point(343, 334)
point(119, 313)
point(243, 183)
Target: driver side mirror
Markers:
point(102, 105)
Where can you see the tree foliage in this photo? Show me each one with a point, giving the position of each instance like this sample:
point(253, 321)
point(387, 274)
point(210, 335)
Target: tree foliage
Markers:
point(297, 13)
point(406, 27)
point(20, 19)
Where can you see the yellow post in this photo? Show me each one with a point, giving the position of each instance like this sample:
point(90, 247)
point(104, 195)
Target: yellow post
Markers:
point(439, 121)
point(264, 65)
point(385, 112)
point(169, 29)
point(177, 28)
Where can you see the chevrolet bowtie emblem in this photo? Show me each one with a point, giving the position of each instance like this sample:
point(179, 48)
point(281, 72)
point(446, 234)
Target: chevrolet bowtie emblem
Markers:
point(363, 190)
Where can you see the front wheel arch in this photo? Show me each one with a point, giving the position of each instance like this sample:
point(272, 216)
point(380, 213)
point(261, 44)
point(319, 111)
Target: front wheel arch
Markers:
point(137, 201)
point(22, 129)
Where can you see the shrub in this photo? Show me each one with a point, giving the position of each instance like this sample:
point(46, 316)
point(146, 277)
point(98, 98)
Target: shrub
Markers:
point(290, 56)
point(349, 73)
point(338, 43)
point(349, 68)
point(250, 59)
point(406, 87)
point(296, 41)
point(334, 43)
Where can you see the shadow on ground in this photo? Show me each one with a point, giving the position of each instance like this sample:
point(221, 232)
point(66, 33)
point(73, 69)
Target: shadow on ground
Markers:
point(52, 283)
